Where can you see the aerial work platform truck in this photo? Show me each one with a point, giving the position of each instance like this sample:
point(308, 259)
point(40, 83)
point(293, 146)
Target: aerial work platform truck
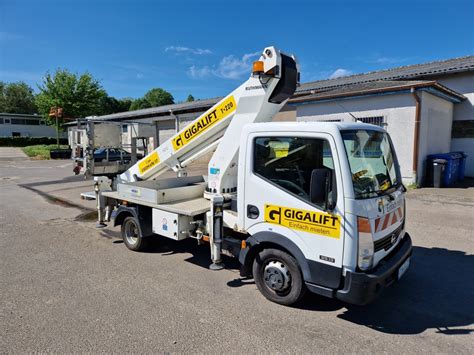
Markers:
point(303, 206)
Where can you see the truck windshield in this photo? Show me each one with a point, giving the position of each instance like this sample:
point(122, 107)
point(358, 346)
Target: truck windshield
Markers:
point(372, 161)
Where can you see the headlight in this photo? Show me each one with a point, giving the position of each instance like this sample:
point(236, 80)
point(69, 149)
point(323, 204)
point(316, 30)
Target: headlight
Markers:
point(366, 244)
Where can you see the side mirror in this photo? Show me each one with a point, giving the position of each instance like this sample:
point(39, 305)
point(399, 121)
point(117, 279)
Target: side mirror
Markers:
point(320, 187)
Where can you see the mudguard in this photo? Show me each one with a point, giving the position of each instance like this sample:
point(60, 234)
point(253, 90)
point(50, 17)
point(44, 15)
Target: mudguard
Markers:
point(313, 272)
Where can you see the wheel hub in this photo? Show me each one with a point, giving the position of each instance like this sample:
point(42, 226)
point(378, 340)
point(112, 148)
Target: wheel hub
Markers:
point(277, 276)
point(131, 233)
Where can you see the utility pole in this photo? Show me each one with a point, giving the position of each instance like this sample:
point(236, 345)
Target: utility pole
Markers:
point(56, 112)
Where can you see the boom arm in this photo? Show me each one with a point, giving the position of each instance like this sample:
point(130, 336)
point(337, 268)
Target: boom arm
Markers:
point(272, 82)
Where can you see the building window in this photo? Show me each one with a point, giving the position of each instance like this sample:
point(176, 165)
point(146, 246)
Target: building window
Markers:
point(375, 120)
point(288, 162)
point(42, 123)
point(21, 121)
point(7, 120)
point(124, 128)
point(1, 120)
point(16, 134)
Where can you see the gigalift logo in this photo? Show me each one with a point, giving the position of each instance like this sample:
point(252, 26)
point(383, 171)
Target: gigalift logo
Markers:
point(204, 122)
point(320, 223)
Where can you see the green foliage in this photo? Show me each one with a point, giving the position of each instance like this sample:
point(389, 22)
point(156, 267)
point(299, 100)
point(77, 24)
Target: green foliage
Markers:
point(153, 98)
point(158, 97)
point(139, 104)
point(25, 141)
point(17, 98)
point(109, 105)
point(42, 151)
point(79, 96)
point(190, 98)
point(124, 104)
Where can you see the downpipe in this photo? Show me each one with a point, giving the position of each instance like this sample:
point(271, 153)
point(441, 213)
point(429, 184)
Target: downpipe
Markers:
point(416, 134)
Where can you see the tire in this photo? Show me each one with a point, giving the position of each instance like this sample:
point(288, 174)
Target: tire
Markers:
point(269, 269)
point(132, 235)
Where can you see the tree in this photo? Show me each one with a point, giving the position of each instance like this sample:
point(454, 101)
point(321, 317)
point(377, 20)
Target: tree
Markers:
point(153, 98)
point(124, 104)
point(109, 105)
point(158, 97)
point(17, 98)
point(138, 104)
point(79, 96)
point(190, 98)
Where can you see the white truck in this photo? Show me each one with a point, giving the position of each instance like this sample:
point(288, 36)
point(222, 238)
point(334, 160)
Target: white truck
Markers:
point(303, 206)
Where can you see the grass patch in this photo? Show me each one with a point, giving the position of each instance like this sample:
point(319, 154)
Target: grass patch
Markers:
point(41, 151)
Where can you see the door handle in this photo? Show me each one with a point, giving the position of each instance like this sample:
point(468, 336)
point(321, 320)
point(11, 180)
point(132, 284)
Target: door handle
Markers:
point(252, 212)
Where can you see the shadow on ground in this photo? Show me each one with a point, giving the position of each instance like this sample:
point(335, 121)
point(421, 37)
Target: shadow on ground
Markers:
point(437, 292)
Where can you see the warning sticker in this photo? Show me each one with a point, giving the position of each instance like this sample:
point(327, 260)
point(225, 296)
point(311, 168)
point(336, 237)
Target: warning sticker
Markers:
point(148, 162)
point(319, 223)
point(207, 120)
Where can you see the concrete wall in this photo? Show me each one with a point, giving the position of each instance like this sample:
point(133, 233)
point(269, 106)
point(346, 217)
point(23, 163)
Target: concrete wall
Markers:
point(435, 129)
point(398, 111)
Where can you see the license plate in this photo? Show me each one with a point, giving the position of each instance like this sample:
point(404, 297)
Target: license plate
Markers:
point(403, 268)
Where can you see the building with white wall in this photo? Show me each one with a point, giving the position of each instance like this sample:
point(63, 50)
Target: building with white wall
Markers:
point(426, 108)
point(20, 125)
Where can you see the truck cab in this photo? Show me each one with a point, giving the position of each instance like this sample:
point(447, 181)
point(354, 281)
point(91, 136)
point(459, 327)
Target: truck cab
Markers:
point(329, 195)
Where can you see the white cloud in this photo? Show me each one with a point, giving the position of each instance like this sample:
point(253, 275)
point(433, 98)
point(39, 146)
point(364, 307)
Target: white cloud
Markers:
point(199, 72)
point(386, 60)
point(338, 73)
point(140, 76)
point(230, 67)
point(180, 49)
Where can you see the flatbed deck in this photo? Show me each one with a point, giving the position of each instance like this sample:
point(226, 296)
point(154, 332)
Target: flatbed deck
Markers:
point(191, 207)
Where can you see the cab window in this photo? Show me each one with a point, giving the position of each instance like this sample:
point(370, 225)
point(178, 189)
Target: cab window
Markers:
point(289, 161)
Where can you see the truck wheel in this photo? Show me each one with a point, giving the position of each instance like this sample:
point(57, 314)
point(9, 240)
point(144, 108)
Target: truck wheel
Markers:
point(278, 276)
point(132, 235)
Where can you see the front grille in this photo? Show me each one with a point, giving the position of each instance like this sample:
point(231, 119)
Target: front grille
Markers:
point(386, 243)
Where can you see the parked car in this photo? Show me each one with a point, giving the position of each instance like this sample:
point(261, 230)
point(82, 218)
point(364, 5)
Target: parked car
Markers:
point(113, 154)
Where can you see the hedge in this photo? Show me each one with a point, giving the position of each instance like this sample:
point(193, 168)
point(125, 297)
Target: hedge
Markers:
point(26, 141)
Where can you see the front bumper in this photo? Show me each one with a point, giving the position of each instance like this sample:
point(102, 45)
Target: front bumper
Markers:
point(362, 288)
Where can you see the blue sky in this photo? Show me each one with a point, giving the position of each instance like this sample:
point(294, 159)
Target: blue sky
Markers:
point(204, 48)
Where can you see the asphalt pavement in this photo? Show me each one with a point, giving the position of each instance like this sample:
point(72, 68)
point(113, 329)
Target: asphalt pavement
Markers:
point(12, 154)
point(68, 287)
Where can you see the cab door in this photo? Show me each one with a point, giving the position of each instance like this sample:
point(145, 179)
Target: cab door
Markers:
point(279, 167)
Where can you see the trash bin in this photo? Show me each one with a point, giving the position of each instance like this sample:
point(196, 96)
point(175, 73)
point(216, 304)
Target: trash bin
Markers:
point(462, 165)
point(451, 173)
point(60, 154)
point(439, 166)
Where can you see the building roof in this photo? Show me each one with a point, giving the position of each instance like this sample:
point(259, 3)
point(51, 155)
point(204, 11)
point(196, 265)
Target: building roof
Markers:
point(379, 87)
point(24, 115)
point(180, 108)
point(409, 72)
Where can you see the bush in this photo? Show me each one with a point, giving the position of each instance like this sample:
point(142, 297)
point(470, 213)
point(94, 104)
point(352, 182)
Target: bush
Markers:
point(42, 151)
point(27, 141)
